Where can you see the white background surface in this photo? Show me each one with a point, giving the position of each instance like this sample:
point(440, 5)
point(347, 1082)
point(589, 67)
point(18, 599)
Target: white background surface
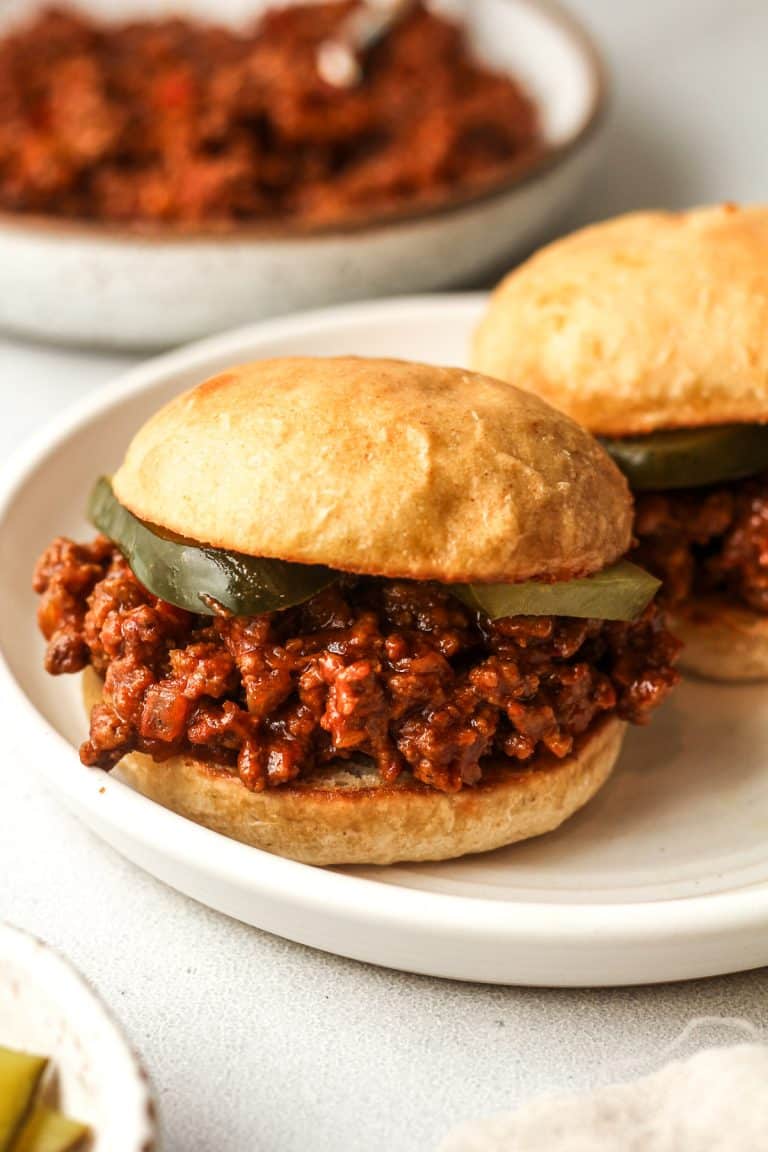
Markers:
point(255, 1044)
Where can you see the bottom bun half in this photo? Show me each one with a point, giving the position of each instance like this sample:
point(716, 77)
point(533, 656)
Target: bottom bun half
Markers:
point(343, 814)
point(723, 640)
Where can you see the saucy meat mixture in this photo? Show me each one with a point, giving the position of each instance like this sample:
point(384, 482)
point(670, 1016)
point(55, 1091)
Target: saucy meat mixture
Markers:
point(189, 123)
point(707, 541)
point(394, 670)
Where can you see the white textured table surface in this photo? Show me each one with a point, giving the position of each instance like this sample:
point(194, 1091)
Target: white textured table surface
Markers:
point(256, 1044)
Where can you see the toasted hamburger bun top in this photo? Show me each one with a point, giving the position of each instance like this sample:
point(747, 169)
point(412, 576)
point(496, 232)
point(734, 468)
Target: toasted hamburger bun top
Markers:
point(652, 320)
point(381, 467)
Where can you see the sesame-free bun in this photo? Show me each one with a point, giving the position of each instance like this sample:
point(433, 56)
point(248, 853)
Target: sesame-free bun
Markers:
point(652, 320)
point(381, 467)
point(722, 640)
point(343, 814)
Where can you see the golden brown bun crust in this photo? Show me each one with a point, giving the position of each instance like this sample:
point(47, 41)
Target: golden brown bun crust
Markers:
point(652, 320)
point(381, 467)
point(723, 640)
point(343, 815)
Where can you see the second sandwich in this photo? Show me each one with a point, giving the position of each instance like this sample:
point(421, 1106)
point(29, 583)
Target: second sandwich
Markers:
point(651, 330)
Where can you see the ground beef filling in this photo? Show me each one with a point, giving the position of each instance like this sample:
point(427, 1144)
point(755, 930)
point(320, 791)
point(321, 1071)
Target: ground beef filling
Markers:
point(706, 541)
point(177, 121)
point(397, 671)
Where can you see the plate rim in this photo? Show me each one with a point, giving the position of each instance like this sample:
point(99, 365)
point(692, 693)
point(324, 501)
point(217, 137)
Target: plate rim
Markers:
point(345, 896)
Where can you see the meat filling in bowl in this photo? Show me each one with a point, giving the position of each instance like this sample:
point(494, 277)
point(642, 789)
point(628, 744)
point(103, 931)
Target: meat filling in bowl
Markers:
point(394, 670)
point(175, 121)
point(705, 541)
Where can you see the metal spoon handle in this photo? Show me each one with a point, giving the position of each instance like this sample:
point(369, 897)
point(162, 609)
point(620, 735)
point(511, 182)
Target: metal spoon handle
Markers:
point(340, 58)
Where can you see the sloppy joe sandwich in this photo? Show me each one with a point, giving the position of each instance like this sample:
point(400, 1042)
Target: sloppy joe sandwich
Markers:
point(353, 610)
point(651, 330)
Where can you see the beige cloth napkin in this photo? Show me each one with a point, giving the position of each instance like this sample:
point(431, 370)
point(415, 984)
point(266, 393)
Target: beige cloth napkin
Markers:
point(716, 1101)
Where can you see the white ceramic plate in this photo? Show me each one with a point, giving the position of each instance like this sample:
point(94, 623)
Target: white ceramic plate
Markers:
point(105, 285)
point(48, 1009)
point(664, 876)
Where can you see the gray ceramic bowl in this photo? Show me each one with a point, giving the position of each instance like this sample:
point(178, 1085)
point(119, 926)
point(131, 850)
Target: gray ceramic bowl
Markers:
point(102, 285)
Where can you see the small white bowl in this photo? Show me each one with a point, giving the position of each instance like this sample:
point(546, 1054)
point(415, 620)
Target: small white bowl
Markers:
point(114, 286)
point(48, 1009)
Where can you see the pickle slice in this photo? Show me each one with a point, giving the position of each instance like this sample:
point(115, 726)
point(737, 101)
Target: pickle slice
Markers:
point(620, 592)
point(50, 1131)
point(20, 1076)
point(209, 581)
point(691, 457)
